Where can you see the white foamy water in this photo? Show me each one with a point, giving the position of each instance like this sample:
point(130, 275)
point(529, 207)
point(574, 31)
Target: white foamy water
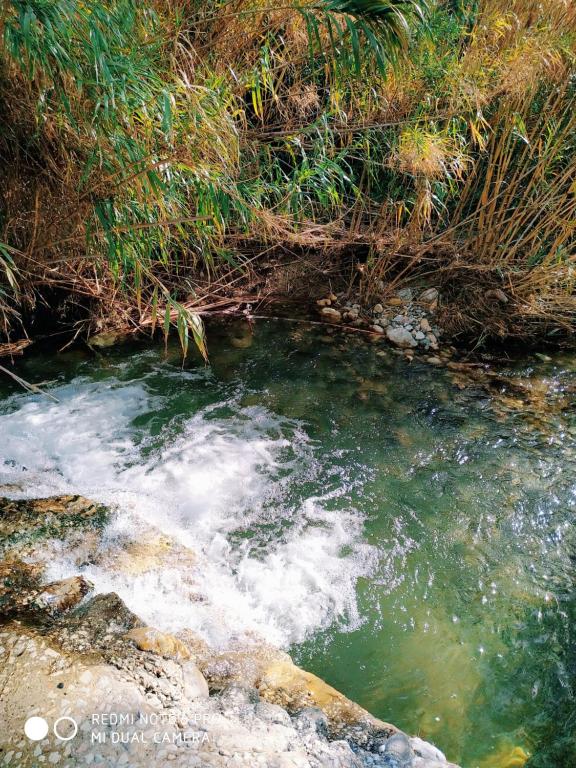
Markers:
point(224, 481)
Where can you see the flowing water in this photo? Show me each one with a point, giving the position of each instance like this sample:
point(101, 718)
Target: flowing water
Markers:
point(409, 541)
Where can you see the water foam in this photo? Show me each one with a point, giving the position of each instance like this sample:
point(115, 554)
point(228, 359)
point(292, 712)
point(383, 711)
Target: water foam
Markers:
point(226, 481)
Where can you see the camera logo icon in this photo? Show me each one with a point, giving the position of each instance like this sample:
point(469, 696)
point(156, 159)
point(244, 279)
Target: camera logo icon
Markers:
point(36, 728)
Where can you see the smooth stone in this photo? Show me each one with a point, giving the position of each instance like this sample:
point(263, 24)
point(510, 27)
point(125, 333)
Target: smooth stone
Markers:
point(433, 360)
point(378, 309)
point(419, 335)
point(377, 328)
point(425, 325)
point(401, 338)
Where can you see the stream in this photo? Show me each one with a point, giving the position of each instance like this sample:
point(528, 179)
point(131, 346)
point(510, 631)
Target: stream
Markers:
point(407, 538)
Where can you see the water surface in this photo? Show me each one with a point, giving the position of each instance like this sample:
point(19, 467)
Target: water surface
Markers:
point(409, 541)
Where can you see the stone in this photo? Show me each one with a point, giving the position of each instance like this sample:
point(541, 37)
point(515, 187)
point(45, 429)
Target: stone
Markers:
point(425, 325)
point(26, 521)
point(195, 685)
point(378, 309)
point(323, 302)
point(331, 314)
point(60, 596)
point(161, 643)
point(419, 336)
point(295, 689)
point(395, 302)
point(401, 338)
point(434, 360)
point(106, 339)
point(429, 296)
point(400, 319)
point(405, 294)
point(377, 328)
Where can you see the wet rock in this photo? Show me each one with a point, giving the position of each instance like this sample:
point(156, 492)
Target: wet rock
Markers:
point(150, 639)
point(401, 338)
point(19, 584)
point(60, 596)
point(294, 689)
point(331, 314)
point(429, 296)
point(25, 521)
point(106, 339)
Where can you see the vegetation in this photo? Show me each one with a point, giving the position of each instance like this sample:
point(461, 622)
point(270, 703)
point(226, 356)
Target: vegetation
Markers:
point(154, 154)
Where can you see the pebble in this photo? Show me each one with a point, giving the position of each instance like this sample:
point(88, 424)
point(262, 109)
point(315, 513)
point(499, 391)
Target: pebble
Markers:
point(378, 309)
point(377, 328)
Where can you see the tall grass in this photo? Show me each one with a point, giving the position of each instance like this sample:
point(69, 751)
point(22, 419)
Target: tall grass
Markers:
point(149, 148)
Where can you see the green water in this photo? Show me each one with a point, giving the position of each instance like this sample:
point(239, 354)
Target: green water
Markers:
point(464, 631)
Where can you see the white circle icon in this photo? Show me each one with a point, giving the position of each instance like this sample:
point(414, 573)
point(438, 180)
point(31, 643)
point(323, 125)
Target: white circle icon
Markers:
point(72, 732)
point(36, 728)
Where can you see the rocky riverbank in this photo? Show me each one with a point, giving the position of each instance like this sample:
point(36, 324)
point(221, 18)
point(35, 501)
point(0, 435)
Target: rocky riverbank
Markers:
point(141, 697)
point(408, 321)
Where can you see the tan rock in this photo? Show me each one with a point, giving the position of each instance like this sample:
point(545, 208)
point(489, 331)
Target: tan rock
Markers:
point(293, 688)
point(331, 314)
point(395, 301)
point(150, 639)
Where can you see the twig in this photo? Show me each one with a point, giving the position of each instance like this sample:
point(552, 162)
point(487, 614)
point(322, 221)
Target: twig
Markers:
point(27, 385)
